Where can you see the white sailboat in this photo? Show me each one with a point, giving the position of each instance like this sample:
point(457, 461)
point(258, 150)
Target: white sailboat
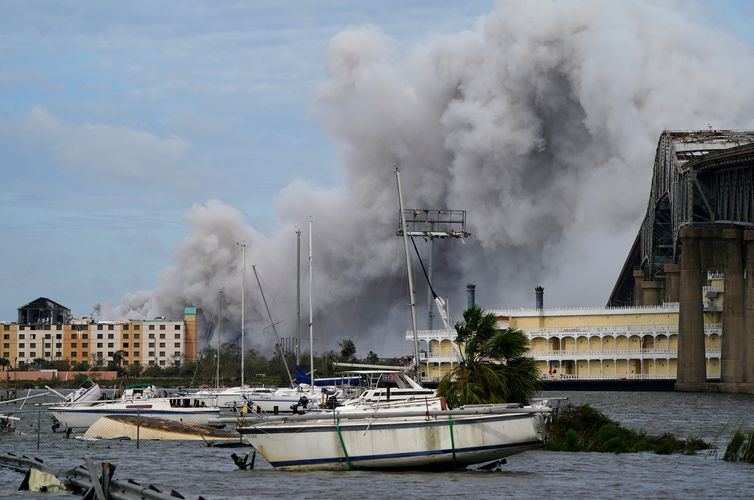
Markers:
point(411, 434)
point(139, 400)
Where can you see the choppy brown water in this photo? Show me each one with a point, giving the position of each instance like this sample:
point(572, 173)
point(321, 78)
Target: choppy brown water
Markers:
point(193, 469)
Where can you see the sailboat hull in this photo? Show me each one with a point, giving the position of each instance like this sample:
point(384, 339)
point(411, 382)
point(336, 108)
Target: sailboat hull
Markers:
point(442, 443)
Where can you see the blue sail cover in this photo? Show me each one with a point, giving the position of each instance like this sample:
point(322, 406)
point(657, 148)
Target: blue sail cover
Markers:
point(303, 378)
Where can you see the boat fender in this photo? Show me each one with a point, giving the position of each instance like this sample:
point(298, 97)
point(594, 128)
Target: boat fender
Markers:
point(443, 404)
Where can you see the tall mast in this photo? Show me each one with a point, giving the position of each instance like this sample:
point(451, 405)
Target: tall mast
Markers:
point(217, 365)
point(417, 374)
point(243, 304)
point(311, 309)
point(298, 297)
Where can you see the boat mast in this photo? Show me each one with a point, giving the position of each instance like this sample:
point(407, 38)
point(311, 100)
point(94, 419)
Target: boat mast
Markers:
point(243, 304)
point(272, 323)
point(298, 297)
point(311, 309)
point(411, 293)
point(217, 365)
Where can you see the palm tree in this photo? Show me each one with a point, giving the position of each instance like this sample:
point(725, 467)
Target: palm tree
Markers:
point(493, 368)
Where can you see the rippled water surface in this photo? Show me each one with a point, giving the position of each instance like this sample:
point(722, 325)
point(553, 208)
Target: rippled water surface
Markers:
point(193, 469)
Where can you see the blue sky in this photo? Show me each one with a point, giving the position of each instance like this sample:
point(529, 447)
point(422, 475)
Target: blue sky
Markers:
point(116, 117)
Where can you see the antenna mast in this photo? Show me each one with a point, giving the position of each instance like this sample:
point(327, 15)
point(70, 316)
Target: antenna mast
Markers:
point(428, 224)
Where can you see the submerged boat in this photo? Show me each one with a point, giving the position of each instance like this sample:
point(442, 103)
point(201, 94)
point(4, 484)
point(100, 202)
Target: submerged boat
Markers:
point(398, 437)
point(142, 400)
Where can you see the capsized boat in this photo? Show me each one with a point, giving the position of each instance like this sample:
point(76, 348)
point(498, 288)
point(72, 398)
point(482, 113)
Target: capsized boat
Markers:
point(150, 428)
point(86, 395)
point(398, 437)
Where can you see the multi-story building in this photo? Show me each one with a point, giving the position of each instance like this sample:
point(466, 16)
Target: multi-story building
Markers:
point(593, 343)
point(158, 342)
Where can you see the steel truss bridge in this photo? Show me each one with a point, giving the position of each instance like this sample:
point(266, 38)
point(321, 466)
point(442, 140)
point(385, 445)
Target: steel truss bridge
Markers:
point(702, 178)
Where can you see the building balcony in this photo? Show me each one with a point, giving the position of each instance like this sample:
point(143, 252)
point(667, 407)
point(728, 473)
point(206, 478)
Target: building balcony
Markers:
point(663, 353)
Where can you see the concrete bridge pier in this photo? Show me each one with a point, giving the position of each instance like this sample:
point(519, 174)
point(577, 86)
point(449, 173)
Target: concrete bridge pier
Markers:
point(692, 362)
point(672, 282)
point(748, 335)
point(734, 326)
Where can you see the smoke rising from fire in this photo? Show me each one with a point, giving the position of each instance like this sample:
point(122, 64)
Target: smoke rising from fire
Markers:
point(541, 123)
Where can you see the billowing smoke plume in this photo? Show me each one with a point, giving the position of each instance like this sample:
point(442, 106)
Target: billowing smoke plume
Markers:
point(542, 123)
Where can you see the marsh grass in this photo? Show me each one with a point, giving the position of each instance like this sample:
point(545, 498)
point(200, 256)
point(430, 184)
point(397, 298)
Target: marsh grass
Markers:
point(740, 448)
point(582, 428)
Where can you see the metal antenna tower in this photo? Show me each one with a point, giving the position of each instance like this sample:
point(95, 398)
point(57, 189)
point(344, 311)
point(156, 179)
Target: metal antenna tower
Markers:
point(431, 224)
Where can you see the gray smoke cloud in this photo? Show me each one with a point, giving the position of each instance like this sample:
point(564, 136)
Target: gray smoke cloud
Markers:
point(541, 123)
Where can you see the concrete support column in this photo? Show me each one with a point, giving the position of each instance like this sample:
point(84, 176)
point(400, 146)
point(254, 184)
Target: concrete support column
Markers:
point(638, 280)
point(692, 374)
point(748, 337)
point(651, 292)
point(731, 359)
point(672, 282)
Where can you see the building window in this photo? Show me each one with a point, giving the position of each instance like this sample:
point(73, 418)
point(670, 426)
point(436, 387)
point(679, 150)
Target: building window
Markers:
point(125, 345)
point(32, 345)
point(47, 336)
point(162, 354)
point(151, 362)
point(99, 336)
point(111, 327)
point(162, 327)
point(177, 345)
point(162, 345)
point(74, 354)
point(177, 327)
point(58, 354)
point(162, 362)
point(33, 355)
point(6, 327)
point(21, 327)
point(99, 327)
point(151, 327)
point(151, 344)
point(47, 345)
point(151, 354)
point(58, 336)
point(74, 345)
point(125, 327)
point(99, 345)
point(74, 336)
point(136, 327)
point(58, 346)
point(85, 346)
point(6, 355)
point(7, 346)
point(6, 336)
point(59, 327)
point(85, 336)
point(110, 354)
point(136, 354)
point(177, 335)
point(125, 335)
point(47, 354)
point(162, 335)
point(136, 345)
point(111, 335)
point(111, 345)
point(136, 335)
point(21, 336)
point(21, 346)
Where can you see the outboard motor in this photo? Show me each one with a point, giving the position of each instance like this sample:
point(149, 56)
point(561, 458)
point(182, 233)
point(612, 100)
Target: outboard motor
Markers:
point(302, 403)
